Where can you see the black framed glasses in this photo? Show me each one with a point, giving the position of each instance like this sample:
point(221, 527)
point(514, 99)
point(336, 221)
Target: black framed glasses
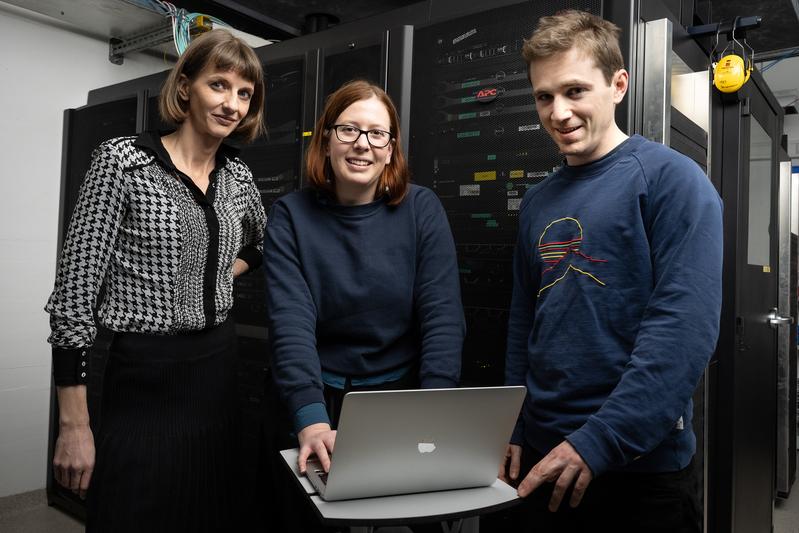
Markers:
point(349, 134)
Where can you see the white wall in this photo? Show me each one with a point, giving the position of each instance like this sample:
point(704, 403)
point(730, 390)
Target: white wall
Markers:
point(783, 80)
point(44, 69)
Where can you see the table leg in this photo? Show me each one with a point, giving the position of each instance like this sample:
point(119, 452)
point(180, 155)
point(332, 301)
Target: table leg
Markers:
point(471, 525)
point(462, 525)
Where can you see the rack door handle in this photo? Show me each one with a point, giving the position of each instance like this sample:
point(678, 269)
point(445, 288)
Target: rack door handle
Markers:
point(775, 319)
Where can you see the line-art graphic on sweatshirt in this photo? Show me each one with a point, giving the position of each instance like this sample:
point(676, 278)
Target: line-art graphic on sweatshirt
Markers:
point(560, 248)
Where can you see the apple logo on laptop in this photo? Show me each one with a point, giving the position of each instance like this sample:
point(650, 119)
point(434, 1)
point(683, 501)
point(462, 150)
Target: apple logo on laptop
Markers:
point(426, 447)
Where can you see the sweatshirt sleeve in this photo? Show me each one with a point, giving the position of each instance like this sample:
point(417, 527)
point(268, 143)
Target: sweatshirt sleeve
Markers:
point(83, 264)
point(252, 244)
point(437, 296)
point(291, 314)
point(520, 320)
point(679, 327)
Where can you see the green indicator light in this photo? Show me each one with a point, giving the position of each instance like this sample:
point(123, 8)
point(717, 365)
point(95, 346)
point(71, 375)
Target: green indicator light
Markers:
point(465, 134)
point(491, 224)
point(491, 157)
point(509, 185)
point(481, 215)
point(466, 115)
point(466, 84)
point(468, 99)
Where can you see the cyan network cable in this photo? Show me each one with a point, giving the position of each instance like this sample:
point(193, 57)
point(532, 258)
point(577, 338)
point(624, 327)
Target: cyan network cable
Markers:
point(182, 20)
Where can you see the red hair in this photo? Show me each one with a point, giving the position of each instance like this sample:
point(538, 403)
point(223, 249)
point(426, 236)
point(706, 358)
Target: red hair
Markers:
point(319, 172)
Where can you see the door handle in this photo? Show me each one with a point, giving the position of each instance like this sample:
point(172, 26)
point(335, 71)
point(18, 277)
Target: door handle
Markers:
point(775, 319)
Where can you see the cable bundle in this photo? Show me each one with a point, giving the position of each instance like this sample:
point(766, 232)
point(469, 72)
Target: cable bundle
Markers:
point(183, 22)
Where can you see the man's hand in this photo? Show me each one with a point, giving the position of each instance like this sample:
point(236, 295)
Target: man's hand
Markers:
point(511, 462)
point(316, 439)
point(564, 466)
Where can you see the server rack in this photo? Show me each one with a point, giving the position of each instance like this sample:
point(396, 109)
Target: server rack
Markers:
point(476, 140)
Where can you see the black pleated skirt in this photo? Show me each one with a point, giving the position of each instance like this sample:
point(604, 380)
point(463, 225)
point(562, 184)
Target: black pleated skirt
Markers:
point(167, 456)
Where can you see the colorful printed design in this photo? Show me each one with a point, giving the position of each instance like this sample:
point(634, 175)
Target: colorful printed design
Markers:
point(559, 245)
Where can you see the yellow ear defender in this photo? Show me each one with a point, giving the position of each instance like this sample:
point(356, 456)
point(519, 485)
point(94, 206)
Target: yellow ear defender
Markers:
point(731, 71)
point(729, 74)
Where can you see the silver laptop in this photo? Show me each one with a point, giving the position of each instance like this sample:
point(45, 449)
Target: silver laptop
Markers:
point(407, 441)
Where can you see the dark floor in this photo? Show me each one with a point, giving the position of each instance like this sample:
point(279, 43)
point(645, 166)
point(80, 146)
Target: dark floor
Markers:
point(786, 513)
point(29, 513)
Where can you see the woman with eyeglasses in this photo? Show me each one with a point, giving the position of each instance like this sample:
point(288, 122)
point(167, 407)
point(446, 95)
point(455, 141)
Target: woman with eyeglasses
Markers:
point(361, 273)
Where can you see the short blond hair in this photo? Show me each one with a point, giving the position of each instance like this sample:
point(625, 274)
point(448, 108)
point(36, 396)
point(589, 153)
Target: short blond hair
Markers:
point(226, 52)
point(595, 36)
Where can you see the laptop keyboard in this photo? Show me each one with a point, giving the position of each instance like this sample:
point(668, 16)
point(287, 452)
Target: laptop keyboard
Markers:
point(322, 475)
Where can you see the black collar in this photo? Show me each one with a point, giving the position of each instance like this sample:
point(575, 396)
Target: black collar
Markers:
point(151, 140)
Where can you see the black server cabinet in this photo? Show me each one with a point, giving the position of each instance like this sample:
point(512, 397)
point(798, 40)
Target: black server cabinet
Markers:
point(363, 58)
point(84, 129)
point(274, 160)
point(477, 141)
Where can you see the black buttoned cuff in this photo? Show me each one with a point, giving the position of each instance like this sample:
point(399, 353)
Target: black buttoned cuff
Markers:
point(252, 256)
point(70, 366)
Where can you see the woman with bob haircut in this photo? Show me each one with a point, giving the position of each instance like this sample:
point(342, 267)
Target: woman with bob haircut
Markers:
point(163, 222)
point(361, 273)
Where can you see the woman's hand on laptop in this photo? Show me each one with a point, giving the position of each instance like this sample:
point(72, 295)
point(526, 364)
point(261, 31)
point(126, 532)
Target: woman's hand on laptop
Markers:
point(316, 439)
point(512, 462)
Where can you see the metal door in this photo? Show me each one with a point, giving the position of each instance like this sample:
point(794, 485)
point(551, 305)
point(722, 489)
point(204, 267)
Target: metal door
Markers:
point(742, 471)
point(786, 339)
point(671, 105)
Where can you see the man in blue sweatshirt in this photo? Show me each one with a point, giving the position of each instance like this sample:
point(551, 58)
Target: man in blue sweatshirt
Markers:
point(616, 303)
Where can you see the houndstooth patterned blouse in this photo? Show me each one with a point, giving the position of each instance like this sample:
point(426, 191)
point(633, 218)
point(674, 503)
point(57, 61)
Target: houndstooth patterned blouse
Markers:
point(163, 250)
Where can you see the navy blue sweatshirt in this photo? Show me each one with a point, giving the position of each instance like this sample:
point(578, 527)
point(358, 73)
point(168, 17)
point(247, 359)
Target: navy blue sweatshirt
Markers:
point(361, 291)
point(615, 309)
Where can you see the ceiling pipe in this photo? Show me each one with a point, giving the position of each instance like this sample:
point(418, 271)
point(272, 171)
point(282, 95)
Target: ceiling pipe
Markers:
point(315, 22)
